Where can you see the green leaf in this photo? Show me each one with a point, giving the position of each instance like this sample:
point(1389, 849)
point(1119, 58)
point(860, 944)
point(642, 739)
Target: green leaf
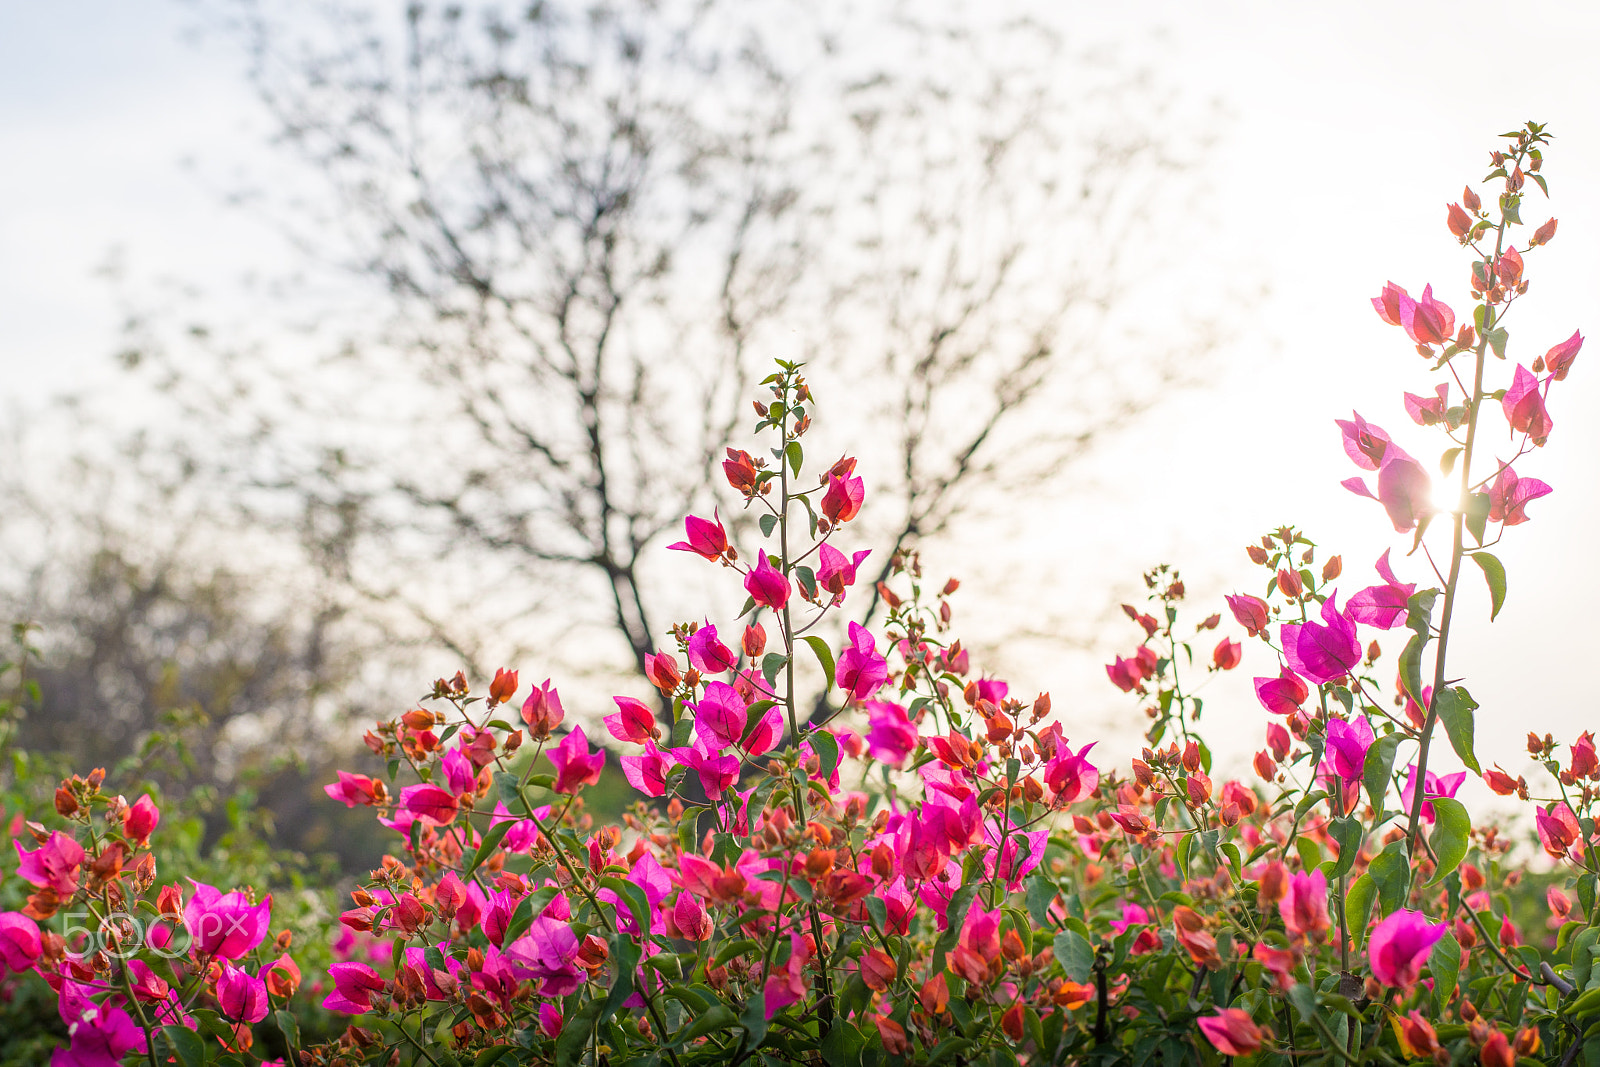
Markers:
point(186, 1045)
point(1076, 955)
point(491, 841)
point(1391, 871)
point(768, 523)
point(1452, 832)
point(1455, 706)
point(1497, 340)
point(1419, 611)
point(625, 955)
point(824, 657)
point(1348, 832)
point(807, 578)
point(1478, 515)
point(826, 746)
point(718, 1017)
point(575, 1034)
point(1411, 667)
point(1445, 963)
point(1358, 906)
point(290, 1028)
point(1511, 207)
point(1495, 574)
point(1041, 893)
point(1447, 462)
point(754, 1019)
point(771, 664)
point(1375, 773)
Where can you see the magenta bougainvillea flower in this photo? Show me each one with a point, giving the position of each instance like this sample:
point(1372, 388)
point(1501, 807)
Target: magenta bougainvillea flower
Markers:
point(1433, 785)
point(1400, 946)
point(1366, 445)
point(861, 671)
point(1251, 612)
point(633, 721)
point(717, 772)
point(53, 865)
point(1382, 606)
point(1304, 907)
point(1404, 488)
point(1071, 778)
point(1346, 753)
point(575, 765)
point(842, 501)
point(101, 1034)
point(1510, 495)
point(707, 654)
point(1281, 695)
point(647, 773)
point(1427, 321)
point(836, 571)
point(1231, 1031)
point(1524, 406)
point(1558, 828)
point(720, 716)
point(19, 941)
point(891, 735)
point(706, 537)
point(1322, 651)
point(241, 996)
point(1387, 303)
point(429, 803)
point(767, 585)
point(1426, 411)
point(548, 954)
point(1559, 359)
point(225, 925)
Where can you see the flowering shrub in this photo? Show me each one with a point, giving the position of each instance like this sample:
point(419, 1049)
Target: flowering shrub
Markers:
point(933, 872)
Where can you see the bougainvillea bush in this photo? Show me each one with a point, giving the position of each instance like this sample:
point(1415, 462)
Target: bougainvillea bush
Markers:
point(933, 871)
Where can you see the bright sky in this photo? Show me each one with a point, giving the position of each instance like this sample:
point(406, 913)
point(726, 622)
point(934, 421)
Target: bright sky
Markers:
point(1352, 125)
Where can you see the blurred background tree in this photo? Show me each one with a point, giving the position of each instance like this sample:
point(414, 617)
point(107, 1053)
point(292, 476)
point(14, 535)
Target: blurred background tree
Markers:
point(546, 254)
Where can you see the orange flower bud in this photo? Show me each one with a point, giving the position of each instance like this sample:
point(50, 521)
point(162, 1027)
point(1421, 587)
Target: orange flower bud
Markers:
point(935, 994)
point(1012, 1021)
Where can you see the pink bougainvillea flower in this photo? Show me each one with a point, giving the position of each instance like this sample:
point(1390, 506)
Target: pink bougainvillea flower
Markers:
point(1426, 411)
point(691, 918)
point(992, 689)
point(1559, 359)
point(53, 865)
point(1427, 321)
point(662, 671)
point(428, 803)
point(353, 789)
point(19, 941)
point(1387, 303)
point(352, 987)
point(1069, 777)
point(1405, 491)
point(1510, 495)
point(835, 572)
point(550, 1020)
point(787, 985)
point(1433, 785)
point(720, 716)
point(633, 721)
point(1400, 946)
point(101, 1035)
point(740, 470)
point(460, 776)
point(1304, 907)
point(1227, 655)
point(842, 501)
point(706, 537)
point(767, 585)
point(140, 821)
point(1585, 761)
point(1251, 612)
point(542, 710)
point(1231, 1031)
point(648, 773)
point(707, 654)
point(716, 772)
point(242, 997)
point(1558, 828)
point(891, 735)
point(1281, 695)
point(1347, 748)
point(1321, 652)
point(1366, 445)
point(548, 954)
point(1278, 740)
point(1382, 606)
point(575, 766)
point(225, 925)
point(765, 735)
point(860, 671)
point(1524, 406)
